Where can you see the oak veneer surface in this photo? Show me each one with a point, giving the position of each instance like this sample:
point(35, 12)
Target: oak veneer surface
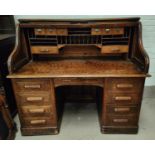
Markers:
point(78, 68)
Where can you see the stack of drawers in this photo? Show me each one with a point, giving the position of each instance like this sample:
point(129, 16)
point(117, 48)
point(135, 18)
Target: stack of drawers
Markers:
point(36, 105)
point(122, 101)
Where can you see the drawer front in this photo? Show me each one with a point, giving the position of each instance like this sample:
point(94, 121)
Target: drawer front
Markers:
point(51, 31)
point(125, 84)
point(123, 98)
point(107, 31)
point(45, 31)
point(77, 81)
point(113, 31)
point(44, 50)
point(38, 122)
point(40, 31)
point(30, 111)
point(96, 31)
point(27, 85)
point(121, 110)
point(62, 32)
point(115, 49)
point(42, 98)
point(113, 120)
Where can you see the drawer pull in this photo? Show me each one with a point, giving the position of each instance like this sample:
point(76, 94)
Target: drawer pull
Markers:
point(37, 110)
point(121, 109)
point(115, 50)
point(34, 98)
point(37, 121)
point(45, 50)
point(39, 30)
point(124, 86)
point(123, 98)
point(107, 30)
point(121, 120)
point(97, 30)
point(32, 86)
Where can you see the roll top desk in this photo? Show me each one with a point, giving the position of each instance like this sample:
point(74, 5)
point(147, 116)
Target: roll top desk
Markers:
point(105, 54)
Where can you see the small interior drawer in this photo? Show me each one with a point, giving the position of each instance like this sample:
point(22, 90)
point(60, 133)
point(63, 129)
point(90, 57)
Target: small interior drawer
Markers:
point(45, 31)
point(113, 31)
point(44, 50)
point(40, 31)
point(27, 85)
point(114, 49)
point(107, 31)
point(34, 110)
point(96, 31)
point(62, 32)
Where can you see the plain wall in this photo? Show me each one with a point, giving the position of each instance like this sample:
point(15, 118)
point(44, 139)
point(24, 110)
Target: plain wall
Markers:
point(148, 23)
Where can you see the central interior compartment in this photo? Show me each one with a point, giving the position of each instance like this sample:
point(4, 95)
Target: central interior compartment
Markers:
point(75, 100)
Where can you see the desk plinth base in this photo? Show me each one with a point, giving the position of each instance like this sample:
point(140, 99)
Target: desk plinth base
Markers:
point(119, 130)
point(39, 131)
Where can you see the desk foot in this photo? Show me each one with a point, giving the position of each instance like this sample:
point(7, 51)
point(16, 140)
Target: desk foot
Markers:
point(39, 131)
point(119, 130)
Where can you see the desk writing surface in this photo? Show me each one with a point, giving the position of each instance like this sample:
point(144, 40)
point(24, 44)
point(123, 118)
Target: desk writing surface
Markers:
point(78, 68)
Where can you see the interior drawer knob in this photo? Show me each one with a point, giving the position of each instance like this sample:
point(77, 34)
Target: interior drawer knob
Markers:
point(39, 30)
point(44, 50)
point(107, 30)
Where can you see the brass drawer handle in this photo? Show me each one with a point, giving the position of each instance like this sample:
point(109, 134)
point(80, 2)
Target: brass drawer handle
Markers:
point(34, 98)
point(39, 30)
point(107, 30)
point(123, 98)
point(121, 120)
point(121, 109)
point(39, 110)
point(45, 50)
point(124, 86)
point(115, 50)
point(32, 86)
point(97, 30)
point(38, 121)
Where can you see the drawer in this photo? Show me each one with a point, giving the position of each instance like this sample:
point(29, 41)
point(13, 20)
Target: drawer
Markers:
point(114, 49)
point(113, 120)
point(113, 31)
point(34, 110)
point(51, 31)
point(40, 31)
point(77, 81)
point(45, 31)
point(27, 85)
point(125, 84)
point(38, 121)
point(62, 32)
point(107, 31)
point(44, 50)
point(34, 98)
point(123, 98)
point(121, 110)
point(96, 31)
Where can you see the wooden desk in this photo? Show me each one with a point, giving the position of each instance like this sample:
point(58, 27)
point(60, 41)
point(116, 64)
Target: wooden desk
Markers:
point(107, 55)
